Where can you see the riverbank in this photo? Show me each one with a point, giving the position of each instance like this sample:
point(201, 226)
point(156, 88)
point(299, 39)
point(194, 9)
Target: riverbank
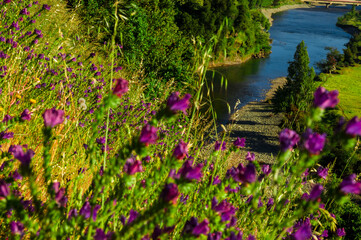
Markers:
point(269, 11)
point(259, 125)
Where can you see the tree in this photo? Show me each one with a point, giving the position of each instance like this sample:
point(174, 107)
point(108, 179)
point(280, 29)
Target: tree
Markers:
point(298, 90)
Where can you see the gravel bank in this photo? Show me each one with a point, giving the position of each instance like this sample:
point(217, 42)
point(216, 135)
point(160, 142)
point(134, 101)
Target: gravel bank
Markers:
point(269, 11)
point(259, 126)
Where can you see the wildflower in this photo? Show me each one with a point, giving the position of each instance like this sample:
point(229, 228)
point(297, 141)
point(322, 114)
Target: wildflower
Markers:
point(303, 231)
point(60, 197)
point(353, 127)
point(4, 189)
point(181, 150)
point(7, 118)
point(270, 203)
point(46, 7)
point(132, 166)
point(341, 232)
point(72, 213)
point(16, 228)
point(100, 235)
point(239, 142)
point(6, 135)
point(225, 209)
point(24, 11)
point(32, 100)
point(175, 104)
point(220, 146)
point(266, 169)
point(132, 216)
point(148, 135)
point(322, 172)
point(288, 139)
point(250, 157)
point(86, 211)
point(193, 227)
point(315, 192)
point(18, 153)
point(170, 193)
point(187, 171)
point(325, 99)
point(26, 115)
point(83, 107)
point(53, 117)
point(349, 185)
point(313, 142)
point(121, 87)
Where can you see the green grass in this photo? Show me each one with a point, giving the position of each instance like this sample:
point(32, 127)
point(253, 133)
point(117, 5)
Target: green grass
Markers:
point(348, 83)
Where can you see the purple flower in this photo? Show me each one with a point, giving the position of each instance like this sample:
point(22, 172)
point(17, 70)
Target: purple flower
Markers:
point(100, 235)
point(322, 172)
point(6, 135)
point(24, 11)
point(53, 117)
point(266, 169)
point(349, 185)
point(4, 189)
point(353, 127)
point(7, 118)
point(270, 203)
point(315, 192)
point(220, 146)
point(190, 172)
point(86, 211)
point(341, 232)
point(225, 209)
point(121, 87)
point(17, 228)
point(181, 150)
point(26, 115)
point(170, 193)
point(72, 213)
point(250, 157)
point(201, 228)
point(132, 216)
point(313, 142)
point(60, 197)
point(132, 166)
point(239, 142)
point(325, 99)
point(148, 135)
point(18, 153)
point(243, 174)
point(174, 103)
point(46, 7)
point(288, 139)
point(100, 140)
point(303, 231)
point(324, 233)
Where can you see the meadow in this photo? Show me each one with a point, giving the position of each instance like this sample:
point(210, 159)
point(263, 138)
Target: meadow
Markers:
point(87, 155)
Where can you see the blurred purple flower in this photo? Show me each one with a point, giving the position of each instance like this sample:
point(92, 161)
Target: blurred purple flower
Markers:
point(100, 140)
point(86, 211)
point(288, 139)
point(201, 228)
point(190, 172)
point(46, 7)
point(315, 192)
point(224, 209)
point(325, 99)
point(322, 172)
point(4, 189)
point(270, 203)
point(24, 11)
point(266, 169)
point(349, 185)
point(353, 127)
point(121, 87)
point(174, 103)
point(341, 232)
point(250, 156)
point(181, 150)
point(7, 118)
point(24, 158)
point(6, 135)
point(26, 115)
point(132, 216)
point(60, 197)
point(220, 146)
point(148, 135)
point(72, 213)
point(132, 166)
point(243, 174)
point(100, 235)
point(16, 228)
point(53, 117)
point(240, 142)
point(170, 193)
point(313, 142)
point(303, 231)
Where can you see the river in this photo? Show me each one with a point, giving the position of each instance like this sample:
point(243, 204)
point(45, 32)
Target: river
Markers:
point(249, 81)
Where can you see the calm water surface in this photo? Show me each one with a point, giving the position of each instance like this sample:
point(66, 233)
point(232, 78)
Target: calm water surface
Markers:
point(249, 81)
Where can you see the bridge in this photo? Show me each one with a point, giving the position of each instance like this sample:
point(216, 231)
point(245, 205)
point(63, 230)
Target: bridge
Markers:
point(335, 2)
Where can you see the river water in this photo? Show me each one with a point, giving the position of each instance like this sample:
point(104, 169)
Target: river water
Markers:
point(249, 81)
